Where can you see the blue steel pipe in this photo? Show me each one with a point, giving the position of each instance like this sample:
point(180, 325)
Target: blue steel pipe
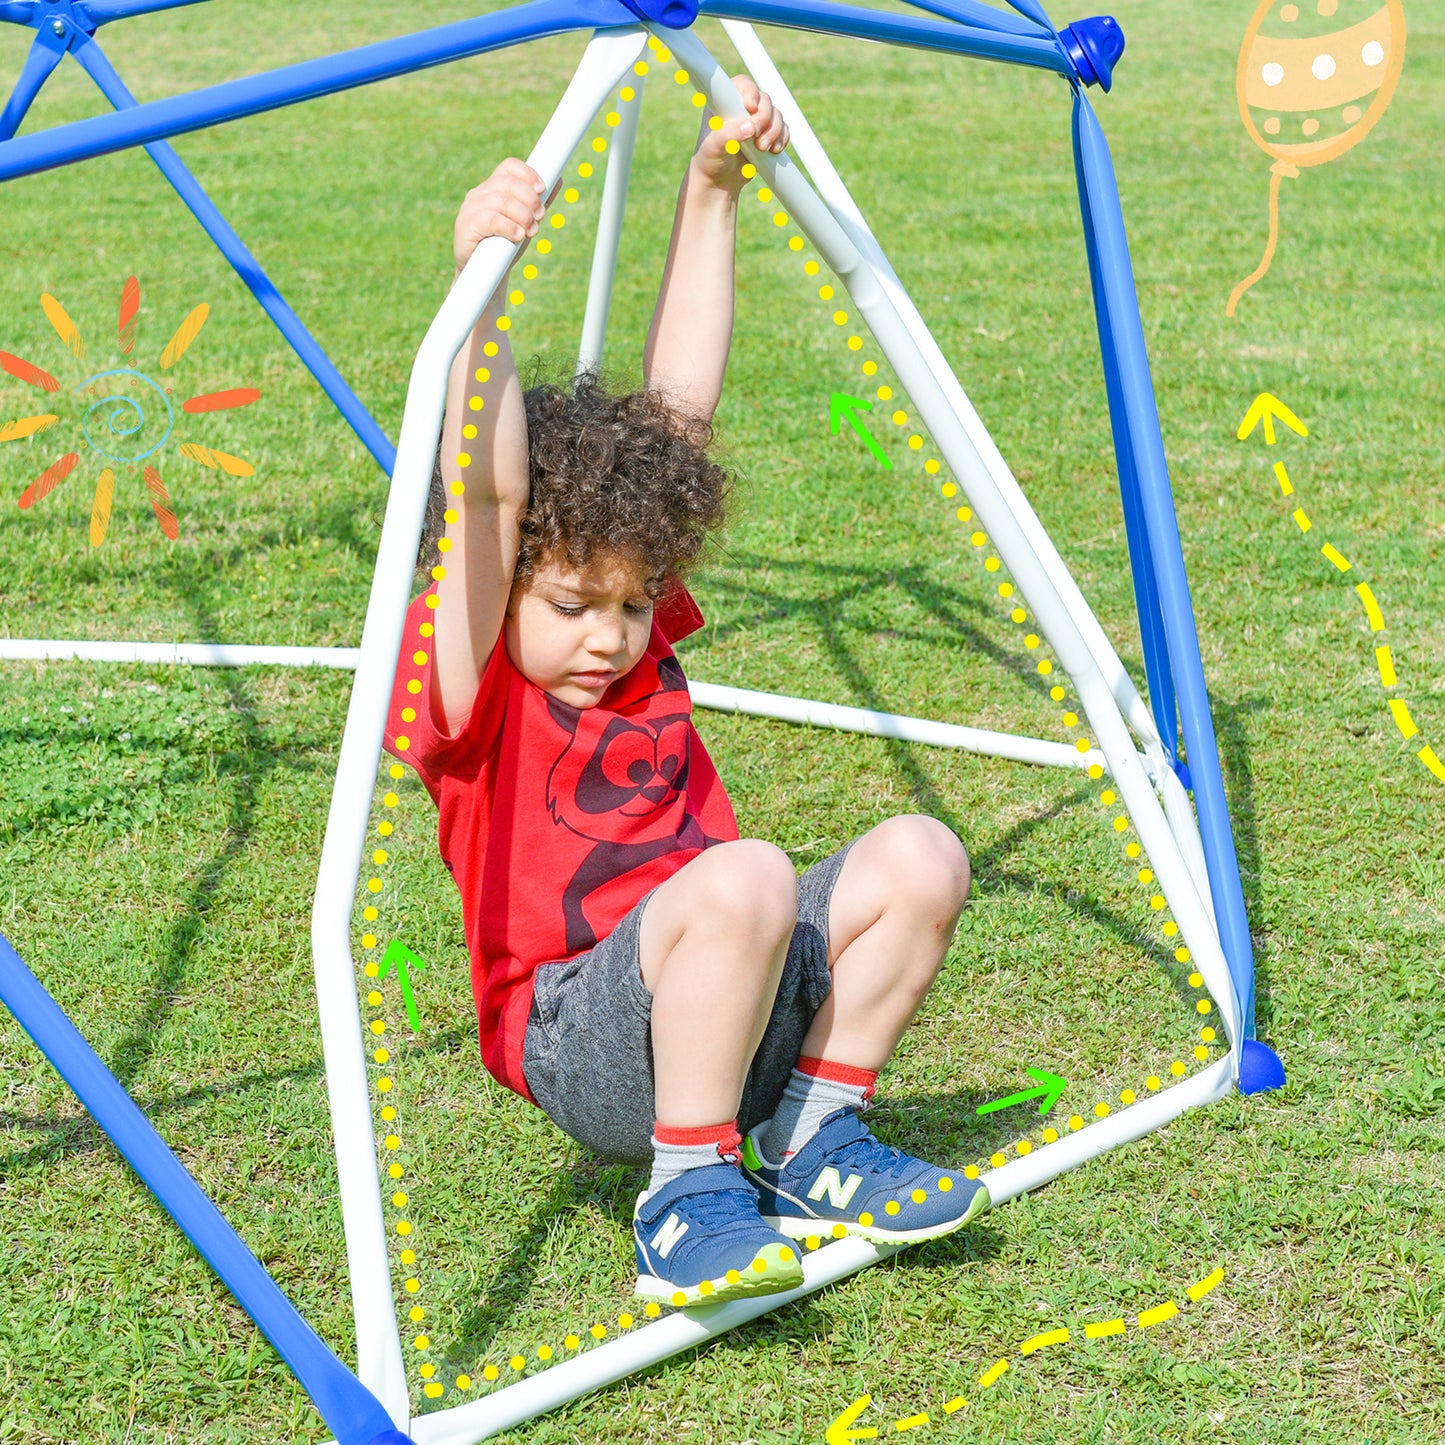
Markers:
point(1162, 700)
point(252, 95)
point(350, 1410)
point(985, 17)
point(45, 53)
point(90, 56)
point(1143, 454)
point(104, 11)
point(1042, 51)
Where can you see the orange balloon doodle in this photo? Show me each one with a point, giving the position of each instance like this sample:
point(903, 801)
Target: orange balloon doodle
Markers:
point(1311, 87)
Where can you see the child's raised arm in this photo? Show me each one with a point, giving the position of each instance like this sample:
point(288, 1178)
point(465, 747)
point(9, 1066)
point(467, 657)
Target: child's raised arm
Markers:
point(686, 354)
point(472, 596)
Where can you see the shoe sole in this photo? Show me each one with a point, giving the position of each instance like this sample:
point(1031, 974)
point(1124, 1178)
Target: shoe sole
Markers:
point(769, 1273)
point(802, 1227)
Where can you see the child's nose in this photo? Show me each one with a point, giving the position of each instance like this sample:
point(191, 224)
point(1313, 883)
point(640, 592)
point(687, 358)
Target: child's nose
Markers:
point(607, 635)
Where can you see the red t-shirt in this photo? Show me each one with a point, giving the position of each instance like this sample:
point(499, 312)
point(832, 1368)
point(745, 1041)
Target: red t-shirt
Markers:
point(556, 820)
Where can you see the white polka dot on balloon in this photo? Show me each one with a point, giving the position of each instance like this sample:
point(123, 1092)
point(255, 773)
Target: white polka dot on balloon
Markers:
point(1273, 73)
point(1373, 53)
point(1322, 67)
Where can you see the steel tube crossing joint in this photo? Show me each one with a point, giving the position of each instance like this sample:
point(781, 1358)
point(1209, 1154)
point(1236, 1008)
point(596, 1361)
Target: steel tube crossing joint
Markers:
point(1094, 45)
point(674, 14)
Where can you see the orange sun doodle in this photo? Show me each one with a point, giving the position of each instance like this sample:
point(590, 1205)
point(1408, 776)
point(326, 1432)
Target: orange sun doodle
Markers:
point(128, 418)
point(1312, 80)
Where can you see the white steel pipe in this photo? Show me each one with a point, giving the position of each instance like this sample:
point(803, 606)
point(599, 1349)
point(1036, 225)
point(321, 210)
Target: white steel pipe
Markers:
point(1180, 812)
point(839, 201)
point(609, 230)
point(890, 725)
point(714, 696)
point(636, 1350)
point(193, 654)
point(1057, 621)
point(476, 1421)
point(607, 58)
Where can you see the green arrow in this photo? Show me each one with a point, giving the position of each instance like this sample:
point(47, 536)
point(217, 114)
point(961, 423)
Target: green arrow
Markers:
point(1050, 1087)
point(398, 955)
point(841, 407)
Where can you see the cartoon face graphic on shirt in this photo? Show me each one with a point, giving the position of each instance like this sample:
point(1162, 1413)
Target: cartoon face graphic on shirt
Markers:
point(626, 768)
point(634, 769)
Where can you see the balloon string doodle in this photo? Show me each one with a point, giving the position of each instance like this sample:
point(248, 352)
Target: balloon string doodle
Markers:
point(1277, 172)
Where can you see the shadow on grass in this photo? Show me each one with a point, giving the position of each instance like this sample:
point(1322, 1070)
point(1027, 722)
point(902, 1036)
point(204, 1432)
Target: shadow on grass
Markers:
point(841, 584)
point(245, 766)
point(947, 607)
point(927, 1126)
point(831, 586)
point(246, 769)
point(81, 1135)
point(1231, 723)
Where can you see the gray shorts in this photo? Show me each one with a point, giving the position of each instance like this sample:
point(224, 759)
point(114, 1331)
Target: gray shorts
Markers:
point(587, 1056)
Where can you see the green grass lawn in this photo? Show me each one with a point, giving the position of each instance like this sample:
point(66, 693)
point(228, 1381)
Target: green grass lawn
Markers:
point(160, 828)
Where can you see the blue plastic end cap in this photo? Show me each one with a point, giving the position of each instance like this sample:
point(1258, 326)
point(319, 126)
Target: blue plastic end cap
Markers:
point(1259, 1068)
point(1094, 45)
point(393, 1437)
point(674, 14)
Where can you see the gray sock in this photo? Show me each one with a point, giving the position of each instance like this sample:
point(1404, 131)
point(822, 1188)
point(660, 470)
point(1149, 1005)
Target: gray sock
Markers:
point(698, 1148)
point(806, 1102)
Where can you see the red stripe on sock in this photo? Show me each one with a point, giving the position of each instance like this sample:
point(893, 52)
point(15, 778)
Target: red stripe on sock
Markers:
point(836, 1073)
point(724, 1136)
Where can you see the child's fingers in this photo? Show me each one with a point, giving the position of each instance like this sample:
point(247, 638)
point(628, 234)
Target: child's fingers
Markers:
point(523, 173)
point(511, 211)
point(747, 88)
point(515, 216)
point(772, 132)
point(763, 125)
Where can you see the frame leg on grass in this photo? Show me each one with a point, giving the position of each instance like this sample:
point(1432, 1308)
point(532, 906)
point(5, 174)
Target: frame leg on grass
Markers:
point(347, 1406)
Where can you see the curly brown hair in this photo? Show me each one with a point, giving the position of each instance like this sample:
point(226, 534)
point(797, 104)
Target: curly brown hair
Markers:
point(613, 473)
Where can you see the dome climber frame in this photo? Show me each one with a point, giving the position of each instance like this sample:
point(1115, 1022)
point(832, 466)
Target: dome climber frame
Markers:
point(1188, 839)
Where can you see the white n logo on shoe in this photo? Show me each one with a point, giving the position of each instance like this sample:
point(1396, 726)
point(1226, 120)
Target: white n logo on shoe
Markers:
point(830, 1182)
point(666, 1238)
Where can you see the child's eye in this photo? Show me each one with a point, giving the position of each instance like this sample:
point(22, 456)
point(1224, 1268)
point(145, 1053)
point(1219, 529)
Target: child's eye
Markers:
point(639, 607)
point(568, 611)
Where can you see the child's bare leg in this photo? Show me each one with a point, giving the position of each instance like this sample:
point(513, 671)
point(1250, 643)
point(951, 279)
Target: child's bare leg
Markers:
point(891, 916)
point(890, 921)
point(713, 941)
point(714, 937)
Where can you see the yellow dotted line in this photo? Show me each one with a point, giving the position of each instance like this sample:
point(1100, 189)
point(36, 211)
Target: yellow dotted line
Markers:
point(1399, 710)
point(840, 1428)
point(517, 1364)
point(381, 1055)
point(513, 1366)
point(1045, 667)
point(422, 1343)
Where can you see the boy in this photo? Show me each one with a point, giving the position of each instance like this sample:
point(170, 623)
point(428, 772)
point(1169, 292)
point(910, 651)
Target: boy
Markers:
point(649, 979)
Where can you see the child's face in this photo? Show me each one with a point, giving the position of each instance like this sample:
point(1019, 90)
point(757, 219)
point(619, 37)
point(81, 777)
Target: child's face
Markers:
point(574, 633)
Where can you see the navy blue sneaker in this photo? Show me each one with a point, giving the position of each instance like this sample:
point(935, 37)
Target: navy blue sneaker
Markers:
point(843, 1181)
point(700, 1240)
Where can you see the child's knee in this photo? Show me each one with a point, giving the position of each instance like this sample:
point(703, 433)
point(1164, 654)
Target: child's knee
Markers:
point(927, 862)
point(753, 885)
